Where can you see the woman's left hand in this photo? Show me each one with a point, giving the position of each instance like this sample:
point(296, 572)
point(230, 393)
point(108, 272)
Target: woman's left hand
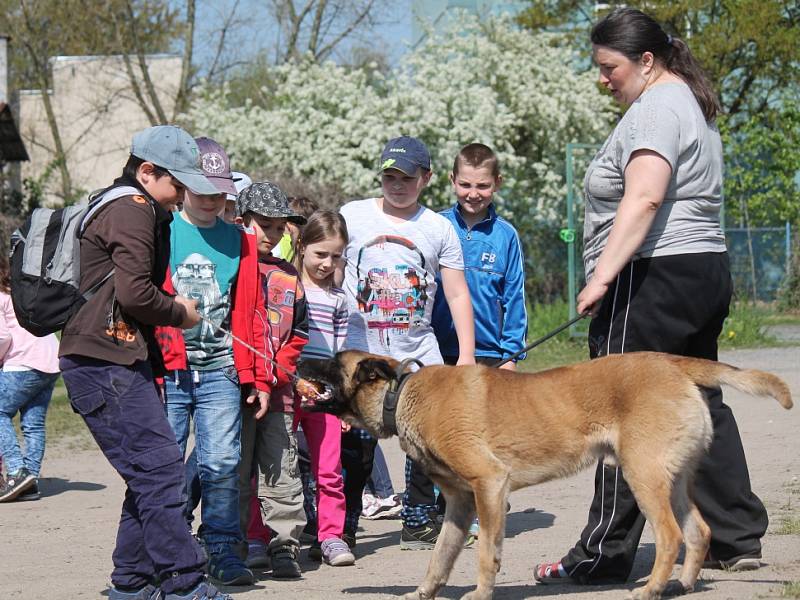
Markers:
point(591, 296)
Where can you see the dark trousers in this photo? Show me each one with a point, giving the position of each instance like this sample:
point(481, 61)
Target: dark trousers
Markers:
point(358, 453)
point(674, 304)
point(124, 413)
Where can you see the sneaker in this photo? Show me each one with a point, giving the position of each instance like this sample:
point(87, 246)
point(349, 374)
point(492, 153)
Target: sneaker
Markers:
point(383, 508)
point(204, 591)
point(419, 538)
point(349, 538)
point(550, 573)
point(229, 569)
point(369, 504)
point(284, 563)
point(32, 493)
point(16, 484)
point(148, 592)
point(336, 553)
point(257, 555)
point(745, 562)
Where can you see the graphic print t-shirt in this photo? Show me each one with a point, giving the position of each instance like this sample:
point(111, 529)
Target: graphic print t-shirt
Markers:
point(204, 262)
point(390, 279)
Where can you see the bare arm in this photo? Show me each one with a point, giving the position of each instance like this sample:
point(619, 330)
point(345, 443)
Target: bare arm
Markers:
point(456, 292)
point(646, 179)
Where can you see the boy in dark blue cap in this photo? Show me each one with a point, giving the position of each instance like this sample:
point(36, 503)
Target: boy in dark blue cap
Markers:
point(396, 251)
point(109, 359)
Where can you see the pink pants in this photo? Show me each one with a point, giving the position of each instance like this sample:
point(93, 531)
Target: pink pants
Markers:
point(324, 436)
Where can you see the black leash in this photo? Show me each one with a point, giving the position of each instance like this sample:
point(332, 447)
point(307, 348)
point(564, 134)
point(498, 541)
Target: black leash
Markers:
point(393, 393)
point(542, 339)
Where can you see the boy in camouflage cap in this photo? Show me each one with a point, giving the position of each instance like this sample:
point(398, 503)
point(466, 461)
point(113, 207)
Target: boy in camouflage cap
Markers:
point(271, 441)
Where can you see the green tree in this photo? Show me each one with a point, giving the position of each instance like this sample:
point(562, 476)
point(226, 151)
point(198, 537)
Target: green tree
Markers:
point(43, 29)
point(750, 49)
point(761, 160)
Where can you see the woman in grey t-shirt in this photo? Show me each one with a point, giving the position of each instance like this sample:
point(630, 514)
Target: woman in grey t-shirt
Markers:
point(658, 279)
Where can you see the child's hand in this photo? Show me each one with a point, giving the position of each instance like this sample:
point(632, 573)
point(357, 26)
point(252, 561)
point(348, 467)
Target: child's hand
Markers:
point(262, 398)
point(509, 366)
point(346, 426)
point(468, 359)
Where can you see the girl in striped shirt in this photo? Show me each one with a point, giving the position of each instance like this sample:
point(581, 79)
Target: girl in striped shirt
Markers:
point(320, 249)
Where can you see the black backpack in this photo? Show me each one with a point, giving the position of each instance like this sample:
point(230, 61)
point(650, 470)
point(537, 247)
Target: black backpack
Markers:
point(45, 264)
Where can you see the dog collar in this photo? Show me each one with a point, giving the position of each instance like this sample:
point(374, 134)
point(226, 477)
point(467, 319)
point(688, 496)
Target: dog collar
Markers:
point(392, 395)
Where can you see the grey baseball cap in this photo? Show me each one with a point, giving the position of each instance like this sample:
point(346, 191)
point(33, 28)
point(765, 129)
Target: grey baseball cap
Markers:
point(266, 199)
point(171, 148)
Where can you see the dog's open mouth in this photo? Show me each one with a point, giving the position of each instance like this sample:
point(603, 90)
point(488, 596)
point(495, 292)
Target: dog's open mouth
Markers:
point(313, 393)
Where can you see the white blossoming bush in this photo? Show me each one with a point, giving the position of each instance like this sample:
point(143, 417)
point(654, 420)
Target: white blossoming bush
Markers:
point(487, 81)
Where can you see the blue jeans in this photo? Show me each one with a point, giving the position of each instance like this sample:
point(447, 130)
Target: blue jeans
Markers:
point(26, 392)
point(213, 401)
point(122, 409)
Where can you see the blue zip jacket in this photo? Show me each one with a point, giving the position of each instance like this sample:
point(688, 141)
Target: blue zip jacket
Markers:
point(495, 274)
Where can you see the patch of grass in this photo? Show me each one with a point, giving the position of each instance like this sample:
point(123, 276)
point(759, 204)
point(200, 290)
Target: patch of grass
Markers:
point(64, 425)
point(745, 327)
point(791, 590)
point(789, 526)
point(559, 350)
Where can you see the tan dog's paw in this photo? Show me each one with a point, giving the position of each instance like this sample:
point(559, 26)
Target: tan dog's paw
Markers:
point(643, 593)
point(417, 594)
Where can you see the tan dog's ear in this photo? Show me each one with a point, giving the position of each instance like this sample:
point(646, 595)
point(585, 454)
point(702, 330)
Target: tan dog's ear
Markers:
point(371, 369)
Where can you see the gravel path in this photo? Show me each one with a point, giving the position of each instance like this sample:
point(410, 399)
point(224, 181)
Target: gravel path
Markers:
point(60, 547)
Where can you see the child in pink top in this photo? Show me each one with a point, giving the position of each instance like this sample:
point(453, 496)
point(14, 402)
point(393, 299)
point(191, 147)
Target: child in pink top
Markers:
point(320, 249)
point(29, 373)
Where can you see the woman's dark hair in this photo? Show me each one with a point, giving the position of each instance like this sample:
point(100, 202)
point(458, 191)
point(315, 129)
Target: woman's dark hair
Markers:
point(632, 33)
point(130, 168)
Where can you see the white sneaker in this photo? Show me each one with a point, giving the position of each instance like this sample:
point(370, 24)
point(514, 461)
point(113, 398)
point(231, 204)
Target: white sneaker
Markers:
point(369, 504)
point(385, 508)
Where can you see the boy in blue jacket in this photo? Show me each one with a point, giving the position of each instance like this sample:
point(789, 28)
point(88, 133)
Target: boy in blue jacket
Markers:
point(493, 263)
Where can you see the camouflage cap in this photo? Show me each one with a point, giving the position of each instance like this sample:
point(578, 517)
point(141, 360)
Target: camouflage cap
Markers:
point(266, 199)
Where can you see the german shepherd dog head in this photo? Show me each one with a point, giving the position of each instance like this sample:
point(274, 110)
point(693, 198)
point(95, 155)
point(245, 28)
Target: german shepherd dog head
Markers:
point(349, 386)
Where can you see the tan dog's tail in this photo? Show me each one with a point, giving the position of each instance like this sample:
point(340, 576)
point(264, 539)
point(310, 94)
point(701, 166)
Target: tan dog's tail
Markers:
point(709, 373)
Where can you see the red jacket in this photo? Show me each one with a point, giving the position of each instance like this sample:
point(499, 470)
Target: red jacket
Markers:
point(249, 322)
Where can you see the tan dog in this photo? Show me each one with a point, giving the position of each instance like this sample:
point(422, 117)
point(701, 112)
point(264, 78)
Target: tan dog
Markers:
point(481, 433)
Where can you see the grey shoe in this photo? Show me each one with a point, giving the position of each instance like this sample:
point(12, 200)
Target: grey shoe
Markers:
point(17, 484)
point(204, 591)
point(148, 592)
point(284, 563)
point(32, 493)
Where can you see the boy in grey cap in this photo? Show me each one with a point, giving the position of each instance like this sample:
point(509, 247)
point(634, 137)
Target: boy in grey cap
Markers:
point(109, 359)
point(271, 440)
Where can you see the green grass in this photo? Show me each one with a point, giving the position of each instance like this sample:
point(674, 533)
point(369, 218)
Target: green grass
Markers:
point(559, 350)
point(64, 425)
point(789, 526)
point(746, 325)
point(791, 590)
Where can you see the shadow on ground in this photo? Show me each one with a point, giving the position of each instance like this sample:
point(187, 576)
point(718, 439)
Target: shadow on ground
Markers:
point(53, 486)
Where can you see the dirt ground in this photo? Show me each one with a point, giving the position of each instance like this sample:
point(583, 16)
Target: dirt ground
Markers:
point(61, 545)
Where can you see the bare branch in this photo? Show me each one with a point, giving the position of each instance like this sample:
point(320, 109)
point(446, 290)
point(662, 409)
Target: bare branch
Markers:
point(182, 98)
point(328, 48)
point(314, 38)
point(227, 24)
point(142, 61)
